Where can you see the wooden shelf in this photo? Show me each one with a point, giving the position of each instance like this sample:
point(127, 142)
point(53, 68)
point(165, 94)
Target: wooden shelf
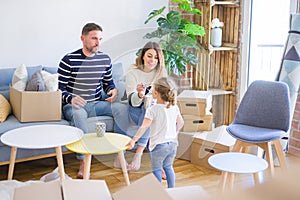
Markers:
point(216, 71)
point(229, 3)
point(219, 92)
point(225, 47)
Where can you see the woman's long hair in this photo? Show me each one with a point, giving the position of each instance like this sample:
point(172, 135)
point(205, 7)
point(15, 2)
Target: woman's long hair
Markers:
point(160, 67)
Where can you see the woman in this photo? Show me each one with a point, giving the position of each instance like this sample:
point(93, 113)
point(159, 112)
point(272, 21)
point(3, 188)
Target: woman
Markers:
point(148, 68)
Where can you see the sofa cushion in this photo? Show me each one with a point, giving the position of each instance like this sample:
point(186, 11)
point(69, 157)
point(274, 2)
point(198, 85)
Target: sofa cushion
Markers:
point(106, 119)
point(5, 108)
point(36, 82)
point(6, 75)
point(20, 78)
point(52, 70)
point(119, 79)
point(50, 80)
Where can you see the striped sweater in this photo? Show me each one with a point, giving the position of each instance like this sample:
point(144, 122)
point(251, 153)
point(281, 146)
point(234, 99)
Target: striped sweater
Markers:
point(83, 76)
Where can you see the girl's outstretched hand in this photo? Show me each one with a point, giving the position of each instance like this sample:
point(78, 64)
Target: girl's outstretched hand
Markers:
point(130, 144)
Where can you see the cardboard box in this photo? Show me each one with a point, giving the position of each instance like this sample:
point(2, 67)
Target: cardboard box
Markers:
point(185, 140)
point(30, 106)
point(67, 189)
point(194, 123)
point(77, 189)
point(208, 143)
point(148, 188)
point(37, 191)
point(194, 102)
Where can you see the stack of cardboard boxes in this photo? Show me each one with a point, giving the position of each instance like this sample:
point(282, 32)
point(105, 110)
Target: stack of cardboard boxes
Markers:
point(195, 108)
point(199, 139)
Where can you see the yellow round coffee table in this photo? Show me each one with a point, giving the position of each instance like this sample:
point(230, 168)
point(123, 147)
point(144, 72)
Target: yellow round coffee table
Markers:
point(110, 143)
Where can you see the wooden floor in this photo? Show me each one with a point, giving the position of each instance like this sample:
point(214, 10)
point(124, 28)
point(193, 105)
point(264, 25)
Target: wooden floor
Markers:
point(186, 173)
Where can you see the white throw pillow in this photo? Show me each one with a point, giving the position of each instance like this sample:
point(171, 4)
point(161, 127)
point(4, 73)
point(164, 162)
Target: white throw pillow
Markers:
point(50, 80)
point(20, 78)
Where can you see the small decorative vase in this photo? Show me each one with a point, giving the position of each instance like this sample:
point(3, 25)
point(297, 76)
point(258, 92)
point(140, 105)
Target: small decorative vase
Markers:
point(216, 37)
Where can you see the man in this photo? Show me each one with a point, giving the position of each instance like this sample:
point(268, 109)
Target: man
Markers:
point(84, 75)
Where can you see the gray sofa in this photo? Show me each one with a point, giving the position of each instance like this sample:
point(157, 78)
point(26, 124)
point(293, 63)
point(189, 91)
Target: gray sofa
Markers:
point(12, 122)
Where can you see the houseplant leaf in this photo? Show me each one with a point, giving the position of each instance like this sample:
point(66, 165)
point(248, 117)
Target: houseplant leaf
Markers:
point(154, 13)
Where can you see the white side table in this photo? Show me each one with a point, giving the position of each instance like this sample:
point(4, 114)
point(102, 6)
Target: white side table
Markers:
point(231, 163)
point(39, 137)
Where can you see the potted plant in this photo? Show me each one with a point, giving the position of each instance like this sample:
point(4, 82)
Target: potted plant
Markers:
point(177, 36)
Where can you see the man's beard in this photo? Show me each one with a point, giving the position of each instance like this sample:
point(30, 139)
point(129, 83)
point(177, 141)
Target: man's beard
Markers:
point(93, 50)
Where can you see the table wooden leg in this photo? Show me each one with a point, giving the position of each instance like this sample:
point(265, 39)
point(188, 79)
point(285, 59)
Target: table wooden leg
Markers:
point(256, 178)
point(13, 154)
point(223, 181)
point(60, 162)
point(123, 165)
point(87, 166)
point(231, 180)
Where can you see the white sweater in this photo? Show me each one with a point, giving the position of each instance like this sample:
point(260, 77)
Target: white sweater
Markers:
point(134, 77)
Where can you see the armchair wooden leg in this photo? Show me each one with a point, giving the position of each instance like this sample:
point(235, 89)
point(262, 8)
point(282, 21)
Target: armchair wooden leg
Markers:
point(237, 146)
point(269, 156)
point(280, 155)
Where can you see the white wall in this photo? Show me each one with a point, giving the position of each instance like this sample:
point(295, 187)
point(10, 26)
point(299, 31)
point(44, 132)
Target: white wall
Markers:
point(37, 32)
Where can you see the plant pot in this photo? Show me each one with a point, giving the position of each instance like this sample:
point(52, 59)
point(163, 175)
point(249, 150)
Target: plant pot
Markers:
point(216, 37)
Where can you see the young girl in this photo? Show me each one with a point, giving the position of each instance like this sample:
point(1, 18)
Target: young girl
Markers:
point(165, 121)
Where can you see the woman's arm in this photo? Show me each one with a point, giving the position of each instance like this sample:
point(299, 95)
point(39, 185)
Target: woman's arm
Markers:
point(131, 88)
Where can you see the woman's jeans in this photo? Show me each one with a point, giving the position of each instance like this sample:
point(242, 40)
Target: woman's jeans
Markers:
point(162, 156)
point(137, 115)
point(78, 117)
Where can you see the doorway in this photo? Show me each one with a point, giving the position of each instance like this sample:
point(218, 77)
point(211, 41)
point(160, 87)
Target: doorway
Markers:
point(268, 35)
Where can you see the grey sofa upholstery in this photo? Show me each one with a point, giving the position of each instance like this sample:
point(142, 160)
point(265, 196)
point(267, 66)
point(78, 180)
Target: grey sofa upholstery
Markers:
point(12, 122)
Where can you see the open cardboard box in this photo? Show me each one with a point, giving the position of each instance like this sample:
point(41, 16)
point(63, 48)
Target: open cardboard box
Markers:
point(146, 188)
point(67, 189)
point(30, 106)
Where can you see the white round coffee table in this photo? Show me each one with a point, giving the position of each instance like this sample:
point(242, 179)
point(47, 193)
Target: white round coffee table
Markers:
point(39, 137)
point(231, 163)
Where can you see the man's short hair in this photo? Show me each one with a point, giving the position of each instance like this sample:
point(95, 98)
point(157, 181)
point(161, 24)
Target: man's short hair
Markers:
point(90, 27)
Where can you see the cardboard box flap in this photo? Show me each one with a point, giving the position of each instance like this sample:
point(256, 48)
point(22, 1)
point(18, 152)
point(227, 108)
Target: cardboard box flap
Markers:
point(46, 191)
point(146, 188)
point(195, 96)
point(75, 189)
point(218, 135)
point(193, 192)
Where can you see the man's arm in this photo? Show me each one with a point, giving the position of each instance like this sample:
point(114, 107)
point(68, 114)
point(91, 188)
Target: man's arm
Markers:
point(109, 85)
point(64, 74)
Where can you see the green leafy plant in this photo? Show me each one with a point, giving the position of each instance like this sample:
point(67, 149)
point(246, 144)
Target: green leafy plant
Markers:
point(177, 36)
